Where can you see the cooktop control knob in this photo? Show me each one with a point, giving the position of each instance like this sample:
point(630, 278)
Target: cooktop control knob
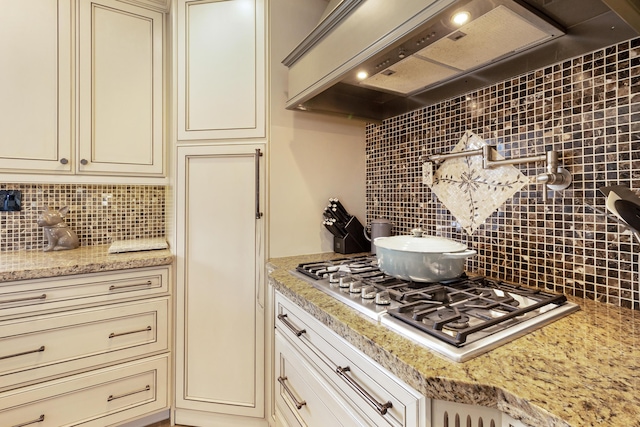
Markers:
point(368, 292)
point(383, 298)
point(335, 277)
point(346, 281)
point(355, 287)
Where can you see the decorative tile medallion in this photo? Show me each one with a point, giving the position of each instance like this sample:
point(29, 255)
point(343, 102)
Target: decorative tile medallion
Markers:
point(470, 192)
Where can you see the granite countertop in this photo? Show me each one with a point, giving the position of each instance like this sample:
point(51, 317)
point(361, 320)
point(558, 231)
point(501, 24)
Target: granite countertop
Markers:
point(582, 370)
point(21, 265)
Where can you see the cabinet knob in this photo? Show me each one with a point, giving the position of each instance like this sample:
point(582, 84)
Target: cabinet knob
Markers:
point(64, 161)
point(84, 162)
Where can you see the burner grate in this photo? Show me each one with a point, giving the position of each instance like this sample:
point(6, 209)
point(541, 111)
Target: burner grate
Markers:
point(435, 318)
point(457, 312)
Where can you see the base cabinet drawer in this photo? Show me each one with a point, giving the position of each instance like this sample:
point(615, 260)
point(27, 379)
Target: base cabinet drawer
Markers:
point(28, 297)
point(374, 393)
point(302, 396)
point(45, 346)
point(100, 398)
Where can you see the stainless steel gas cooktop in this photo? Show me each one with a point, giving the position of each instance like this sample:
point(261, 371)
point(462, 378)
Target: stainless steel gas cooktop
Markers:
point(460, 318)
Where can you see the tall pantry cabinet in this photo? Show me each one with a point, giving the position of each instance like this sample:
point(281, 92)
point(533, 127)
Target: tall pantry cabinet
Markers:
point(219, 110)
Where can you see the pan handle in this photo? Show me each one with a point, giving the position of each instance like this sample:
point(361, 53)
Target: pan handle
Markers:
point(463, 254)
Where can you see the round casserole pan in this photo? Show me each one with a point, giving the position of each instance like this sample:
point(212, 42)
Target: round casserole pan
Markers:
point(421, 259)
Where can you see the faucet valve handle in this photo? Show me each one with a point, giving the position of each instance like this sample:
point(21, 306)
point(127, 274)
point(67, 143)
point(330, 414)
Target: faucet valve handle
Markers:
point(417, 232)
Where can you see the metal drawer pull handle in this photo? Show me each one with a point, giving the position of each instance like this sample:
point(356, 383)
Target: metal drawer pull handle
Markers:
point(114, 287)
point(299, 405)
point(9, 301)
point(112, 397)
point(283, 319)
point(380, 407)
point(38, 350)
point(113, 334)
point(39, 420)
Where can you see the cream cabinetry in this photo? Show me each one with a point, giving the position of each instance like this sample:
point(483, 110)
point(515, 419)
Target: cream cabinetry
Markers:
point(219, 289)
point(304, 395)
point(120, 107)
point(103, 397)
point(91, 349)
point(82, 86)
point(36, 82)
point(312, 362)
point(161, 5)
point(320, 380)
point(221, 69)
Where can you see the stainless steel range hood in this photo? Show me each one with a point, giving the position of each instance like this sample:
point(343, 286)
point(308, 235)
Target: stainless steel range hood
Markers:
point(414, 55)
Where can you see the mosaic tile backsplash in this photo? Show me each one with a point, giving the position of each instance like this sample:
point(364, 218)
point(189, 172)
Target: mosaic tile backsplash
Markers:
point(587, 109)
point(99, 214)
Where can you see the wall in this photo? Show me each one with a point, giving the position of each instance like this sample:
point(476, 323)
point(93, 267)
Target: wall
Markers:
point(587, 108)
point(311, 157)
point(99, 214)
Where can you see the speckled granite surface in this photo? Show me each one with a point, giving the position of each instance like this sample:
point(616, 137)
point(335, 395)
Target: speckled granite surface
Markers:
point(21, 265)
point(582, 370)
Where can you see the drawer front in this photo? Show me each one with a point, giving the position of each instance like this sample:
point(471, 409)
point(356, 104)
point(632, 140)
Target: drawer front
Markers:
point(99, 398)
point(47, 345)
point(30, 296)
point(299, 327)
point(375, 392)
point(302, 396)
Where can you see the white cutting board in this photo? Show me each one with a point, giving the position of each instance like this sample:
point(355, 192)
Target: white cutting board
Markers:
point(135, 245)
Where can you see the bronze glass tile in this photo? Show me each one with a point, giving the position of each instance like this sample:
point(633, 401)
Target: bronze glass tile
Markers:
point(586, 108)
point(99, 214)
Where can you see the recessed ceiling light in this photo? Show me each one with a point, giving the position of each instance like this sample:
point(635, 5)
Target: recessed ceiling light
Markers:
point(362, 75)
point(460, 17)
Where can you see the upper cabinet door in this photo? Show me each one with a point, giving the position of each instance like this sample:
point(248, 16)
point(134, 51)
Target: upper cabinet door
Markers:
point(221, 69)
point(35, 86)
point(120, 94)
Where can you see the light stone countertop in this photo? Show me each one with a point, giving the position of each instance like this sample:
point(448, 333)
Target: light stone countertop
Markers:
point(582, 370)
point(22, 265)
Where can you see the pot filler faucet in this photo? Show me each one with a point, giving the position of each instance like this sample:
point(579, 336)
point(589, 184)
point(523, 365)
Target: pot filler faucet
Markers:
point(555, 177)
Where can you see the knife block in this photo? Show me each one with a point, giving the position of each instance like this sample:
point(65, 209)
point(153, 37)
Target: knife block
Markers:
point(354, 241)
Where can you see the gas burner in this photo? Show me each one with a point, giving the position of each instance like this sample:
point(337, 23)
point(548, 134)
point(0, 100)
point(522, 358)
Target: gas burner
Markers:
point(450, 318)
point(460, 318)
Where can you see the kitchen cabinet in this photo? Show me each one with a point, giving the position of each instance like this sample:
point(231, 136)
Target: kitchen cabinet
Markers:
point(161, 5)
point(304, 396)
point(82, 90)
point(36, 83)
point(315, 366)
point(219, 294)
point(221, 69)
point(120, 89)
point(91, 348)
point(316, 369)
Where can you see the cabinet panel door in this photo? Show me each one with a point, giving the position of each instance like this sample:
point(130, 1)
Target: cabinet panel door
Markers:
point(220, 340)
point(221, 69)
point(35, 83)
point(120, 95)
